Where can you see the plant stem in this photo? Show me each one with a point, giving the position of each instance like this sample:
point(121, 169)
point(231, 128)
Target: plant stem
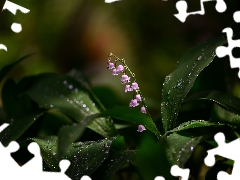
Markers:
point(133, 77)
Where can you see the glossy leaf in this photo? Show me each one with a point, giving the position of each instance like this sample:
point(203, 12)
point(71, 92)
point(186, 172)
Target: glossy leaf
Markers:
point(70, 133)
point(133, 116)
point(223, 115)
point(181, 146)
point(18, 125)
point(193, 124)
point(113, 163)
point(224, 99)
point(6, 69)
point(73, 98)
point(118, 144)
point(88, 157)
point(78, 75)
point(178, 83)
point(85, 157)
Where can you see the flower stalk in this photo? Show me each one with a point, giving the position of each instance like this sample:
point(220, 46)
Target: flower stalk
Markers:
point(125, 79)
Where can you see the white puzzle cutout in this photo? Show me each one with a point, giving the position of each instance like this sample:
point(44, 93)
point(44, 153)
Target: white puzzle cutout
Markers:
point(111, 1)
point(228, 150)
point(159, 178)
point(16, 27)
point(182, 9)
point(32, 169)
point(177, 171)
point(222, 51)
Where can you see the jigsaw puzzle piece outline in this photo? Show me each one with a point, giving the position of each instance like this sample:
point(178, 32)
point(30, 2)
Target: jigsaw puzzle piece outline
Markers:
point(227, 150)
point(222, 51)
point(177, 171)
point(182, 6)
point(12, 7)
point(159, 178)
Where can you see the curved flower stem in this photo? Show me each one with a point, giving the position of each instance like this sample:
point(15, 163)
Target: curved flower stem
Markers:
point(133, 77)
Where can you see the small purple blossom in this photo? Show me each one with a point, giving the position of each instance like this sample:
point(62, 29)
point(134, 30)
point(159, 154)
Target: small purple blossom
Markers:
point(143, 110)
point(120, 68)
point(133, 103)
point(135, 86)
point(128, 88)
point(110, 65)
point(141, 128)
point(125, 79)
point(138, 97)
point(115, 72)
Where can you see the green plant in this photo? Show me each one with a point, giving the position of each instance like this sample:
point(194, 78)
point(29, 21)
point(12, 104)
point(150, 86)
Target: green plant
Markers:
point(63, 114)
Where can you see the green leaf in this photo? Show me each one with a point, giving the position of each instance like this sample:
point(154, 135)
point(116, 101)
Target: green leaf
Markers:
point(72, 97)
point(180, 147)
point(151, 159)
point(178, 83)
point(6, 69)
point(70, 133)
point(220, 114)
point(118, 144)
point(85, 157)
point(193, 124)
point(48, 147)
point(18, 125)
point(51, 122)
point(131, 115)
point(108, 97)
point(224, 99)
point(229, 162)
point(78, 75)
point(113, 163)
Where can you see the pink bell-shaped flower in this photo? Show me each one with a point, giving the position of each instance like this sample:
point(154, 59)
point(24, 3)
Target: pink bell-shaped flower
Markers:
point(133, 103)
point(138, 97)
point(141, 128)
point(115, 72)
point(128, 88)
point(110, 65)
point(120, 68)
point(125, 79)
point(143, 110)
point(135, 86)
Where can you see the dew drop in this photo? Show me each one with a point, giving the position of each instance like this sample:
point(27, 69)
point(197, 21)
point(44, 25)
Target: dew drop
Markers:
point(168, 92)
point(70, 86)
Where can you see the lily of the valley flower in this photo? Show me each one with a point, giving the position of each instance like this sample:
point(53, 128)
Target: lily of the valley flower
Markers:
point(133, 103)
point(141, 128)
point(120, 68)
point(138, 97)
point(128, 88)
point(143, 110)
point(110, 65)
point(115, 72)
point(135, 86)
point(125, 79)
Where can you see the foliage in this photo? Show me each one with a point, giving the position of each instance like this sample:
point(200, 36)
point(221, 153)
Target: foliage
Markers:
point(63, 114)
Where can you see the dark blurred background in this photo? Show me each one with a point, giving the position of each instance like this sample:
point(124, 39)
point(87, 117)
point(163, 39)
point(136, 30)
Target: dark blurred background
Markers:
point(80, 34)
